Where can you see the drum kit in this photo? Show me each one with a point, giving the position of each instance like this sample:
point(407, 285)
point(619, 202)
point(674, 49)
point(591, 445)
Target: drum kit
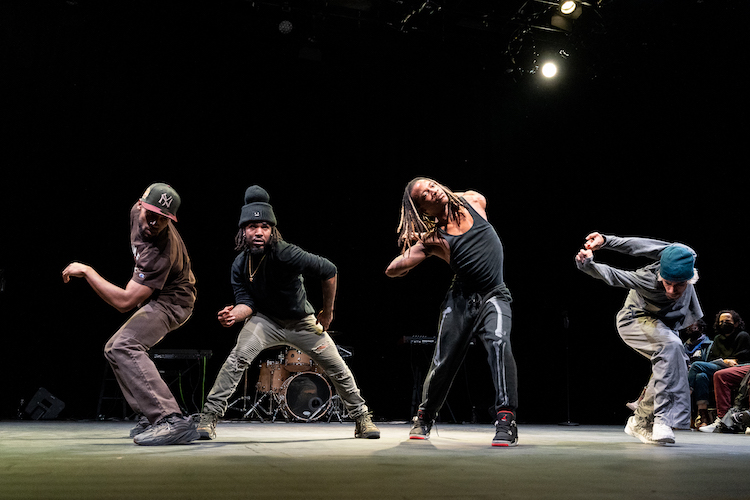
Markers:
point(293, 386)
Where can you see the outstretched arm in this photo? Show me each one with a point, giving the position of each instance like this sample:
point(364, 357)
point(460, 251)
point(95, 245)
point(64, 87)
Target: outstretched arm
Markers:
point(635, 246)
point(122, 299)
point(611, 276)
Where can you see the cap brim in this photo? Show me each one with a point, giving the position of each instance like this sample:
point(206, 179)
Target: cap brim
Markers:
point(154, 208)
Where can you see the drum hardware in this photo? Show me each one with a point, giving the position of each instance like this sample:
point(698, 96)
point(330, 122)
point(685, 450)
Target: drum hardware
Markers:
point(256, 408)
point(266, 376)
point(338, 409)
point(295, 386)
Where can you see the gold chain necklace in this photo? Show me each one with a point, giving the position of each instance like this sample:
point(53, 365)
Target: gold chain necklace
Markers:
point(250, 267)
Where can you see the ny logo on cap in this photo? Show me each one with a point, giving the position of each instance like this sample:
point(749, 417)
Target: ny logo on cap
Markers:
point(165, 200)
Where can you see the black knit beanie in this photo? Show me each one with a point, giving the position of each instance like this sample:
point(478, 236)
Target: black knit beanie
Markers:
point(257, 208)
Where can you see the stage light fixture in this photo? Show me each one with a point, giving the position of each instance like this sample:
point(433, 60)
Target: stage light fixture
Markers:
point(549, 70)
point(566, 14)
point(567, 7)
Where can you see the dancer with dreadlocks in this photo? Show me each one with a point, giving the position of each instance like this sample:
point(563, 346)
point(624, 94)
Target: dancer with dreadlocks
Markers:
point(454, 227)
point(271, 304)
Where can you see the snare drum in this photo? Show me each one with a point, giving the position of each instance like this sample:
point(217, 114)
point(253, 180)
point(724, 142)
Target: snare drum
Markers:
point(297, 361)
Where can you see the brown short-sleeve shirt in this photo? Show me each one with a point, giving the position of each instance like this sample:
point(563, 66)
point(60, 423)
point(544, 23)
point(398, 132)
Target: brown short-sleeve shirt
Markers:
point(162, 264)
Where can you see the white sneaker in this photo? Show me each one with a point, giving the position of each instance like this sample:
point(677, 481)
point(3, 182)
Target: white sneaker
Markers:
point(711, 428)
point(635, 430)
point(662, 433)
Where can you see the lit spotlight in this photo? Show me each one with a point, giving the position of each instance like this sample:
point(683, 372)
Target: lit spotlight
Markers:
point(549, 70)
point(567, 13)
point(568, 6)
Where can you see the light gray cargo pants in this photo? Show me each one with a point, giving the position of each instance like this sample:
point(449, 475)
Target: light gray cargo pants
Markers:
point(667, 396)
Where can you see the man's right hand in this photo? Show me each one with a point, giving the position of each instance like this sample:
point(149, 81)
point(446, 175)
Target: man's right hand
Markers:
point(226, 317)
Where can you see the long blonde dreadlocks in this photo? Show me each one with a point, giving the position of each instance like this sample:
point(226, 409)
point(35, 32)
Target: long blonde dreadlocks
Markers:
point(414, 225)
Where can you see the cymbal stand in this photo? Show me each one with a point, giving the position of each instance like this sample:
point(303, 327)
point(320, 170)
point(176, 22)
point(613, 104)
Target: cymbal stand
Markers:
point(257, 408)
point(244, 399)
point(279, 408)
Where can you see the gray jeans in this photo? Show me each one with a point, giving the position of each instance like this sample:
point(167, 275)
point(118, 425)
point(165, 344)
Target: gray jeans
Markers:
point(667, 396)
point(261, 332)
point(127, 353)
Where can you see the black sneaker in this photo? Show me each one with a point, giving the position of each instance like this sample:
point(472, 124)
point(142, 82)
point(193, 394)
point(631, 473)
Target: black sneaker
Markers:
point(140, 427)
point(506, 431)
point(742, 419)
point(420, 426)
point(174, 429)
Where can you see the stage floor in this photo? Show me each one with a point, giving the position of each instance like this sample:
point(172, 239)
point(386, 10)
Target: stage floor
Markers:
point(251, 460)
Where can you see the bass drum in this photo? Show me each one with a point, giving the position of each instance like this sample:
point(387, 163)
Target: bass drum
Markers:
point(306, 396)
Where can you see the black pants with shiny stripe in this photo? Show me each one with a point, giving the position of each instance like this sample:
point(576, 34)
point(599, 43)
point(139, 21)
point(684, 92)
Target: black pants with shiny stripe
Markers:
point(464, 317)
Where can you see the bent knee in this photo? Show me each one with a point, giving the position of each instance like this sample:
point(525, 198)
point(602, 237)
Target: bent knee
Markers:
point(119, 348)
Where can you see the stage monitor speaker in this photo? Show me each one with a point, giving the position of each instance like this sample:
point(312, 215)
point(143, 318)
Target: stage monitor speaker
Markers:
point(44, 405)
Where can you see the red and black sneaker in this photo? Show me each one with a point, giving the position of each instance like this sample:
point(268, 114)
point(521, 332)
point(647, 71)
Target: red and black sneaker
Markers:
point(506, 431)
point(420, 426)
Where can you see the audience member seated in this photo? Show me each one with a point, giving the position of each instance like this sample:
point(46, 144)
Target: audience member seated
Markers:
point(731, 347)
point(695, 341)
point(726, 382)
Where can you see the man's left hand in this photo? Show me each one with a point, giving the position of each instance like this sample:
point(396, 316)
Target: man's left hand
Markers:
point(325, 318)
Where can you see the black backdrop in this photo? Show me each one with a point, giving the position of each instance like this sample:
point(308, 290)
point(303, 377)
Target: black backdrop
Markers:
point(647, 138)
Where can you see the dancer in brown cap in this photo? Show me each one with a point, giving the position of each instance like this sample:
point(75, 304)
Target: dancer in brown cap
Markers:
point(162, 291)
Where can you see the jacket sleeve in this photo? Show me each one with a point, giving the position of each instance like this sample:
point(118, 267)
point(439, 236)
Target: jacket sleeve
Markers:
point(308, 264)
point(239, 279)
point(613, 276)
point(639, 247)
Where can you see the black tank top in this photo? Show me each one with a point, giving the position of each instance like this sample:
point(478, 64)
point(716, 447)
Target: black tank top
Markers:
point(476, 256)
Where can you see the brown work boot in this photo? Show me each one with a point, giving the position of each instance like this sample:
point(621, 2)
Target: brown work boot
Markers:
point(207, 425)
point(365, 428)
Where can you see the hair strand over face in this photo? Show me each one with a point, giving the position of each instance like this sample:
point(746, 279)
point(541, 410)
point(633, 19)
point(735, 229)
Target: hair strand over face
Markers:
point(414, 224)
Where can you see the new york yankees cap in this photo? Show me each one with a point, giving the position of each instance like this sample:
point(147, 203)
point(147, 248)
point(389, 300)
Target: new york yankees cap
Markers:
point(162, 199)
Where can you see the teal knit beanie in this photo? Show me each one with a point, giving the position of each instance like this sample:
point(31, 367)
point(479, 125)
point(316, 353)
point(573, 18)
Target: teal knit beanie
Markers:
point(676, 263)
